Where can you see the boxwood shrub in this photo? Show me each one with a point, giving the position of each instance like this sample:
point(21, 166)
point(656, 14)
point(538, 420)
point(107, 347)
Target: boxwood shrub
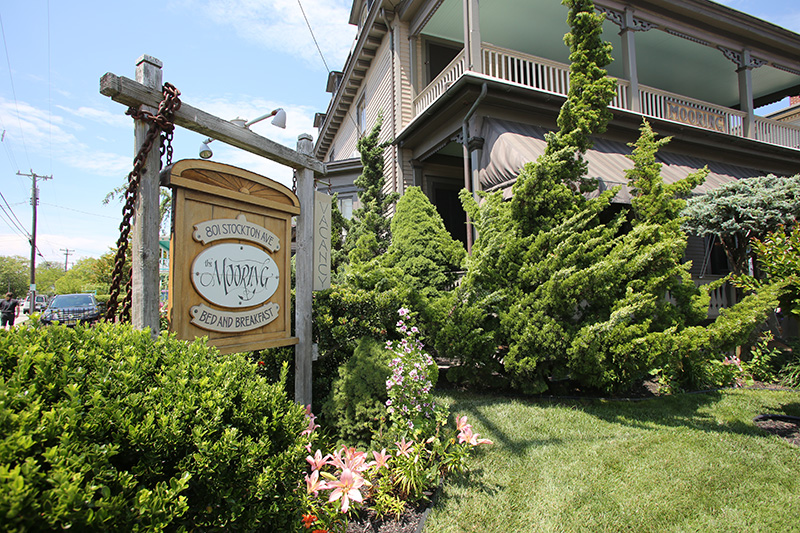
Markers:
point(105, 428)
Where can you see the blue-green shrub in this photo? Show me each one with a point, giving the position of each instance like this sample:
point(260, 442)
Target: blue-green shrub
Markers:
point(107, 429)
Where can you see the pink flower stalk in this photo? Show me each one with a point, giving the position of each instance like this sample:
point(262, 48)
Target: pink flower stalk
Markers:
point(314, 484)
point(346, 488)
point(317, 461)
point(310, 429)
point(403, 446)
point(381, 458)
point(311, 425)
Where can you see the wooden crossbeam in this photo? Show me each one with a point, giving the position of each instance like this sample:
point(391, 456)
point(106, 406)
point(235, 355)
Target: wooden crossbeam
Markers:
point(131, 93)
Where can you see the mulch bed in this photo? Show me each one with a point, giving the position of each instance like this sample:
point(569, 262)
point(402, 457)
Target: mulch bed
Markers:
point(789, 429)
point(411, 521)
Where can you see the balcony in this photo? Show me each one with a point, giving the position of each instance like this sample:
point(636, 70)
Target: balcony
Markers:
point(553, 77)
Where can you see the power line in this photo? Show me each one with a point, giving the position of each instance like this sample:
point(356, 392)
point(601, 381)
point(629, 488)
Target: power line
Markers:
point(14, 91)
point(303, 11)
point(79, 211)
point(15, 221)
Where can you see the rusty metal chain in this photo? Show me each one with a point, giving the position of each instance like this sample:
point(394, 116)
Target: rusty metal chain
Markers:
point(294, 181)
point(160, 123)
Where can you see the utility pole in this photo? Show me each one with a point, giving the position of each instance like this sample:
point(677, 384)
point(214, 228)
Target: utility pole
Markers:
point(66, 256)
point(34, 202)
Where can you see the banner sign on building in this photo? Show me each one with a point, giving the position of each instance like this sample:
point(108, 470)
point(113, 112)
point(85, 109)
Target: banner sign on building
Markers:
point(230, 256)
point(702, 118)
point(322, 241)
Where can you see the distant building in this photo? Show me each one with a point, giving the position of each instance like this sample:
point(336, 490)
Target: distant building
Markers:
point(790, 115)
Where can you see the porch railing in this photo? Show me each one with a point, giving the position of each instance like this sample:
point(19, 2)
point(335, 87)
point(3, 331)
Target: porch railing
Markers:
point(553, 77)
point(440, 83)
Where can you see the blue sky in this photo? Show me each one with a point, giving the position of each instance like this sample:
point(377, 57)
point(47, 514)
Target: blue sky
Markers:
point(231, 58)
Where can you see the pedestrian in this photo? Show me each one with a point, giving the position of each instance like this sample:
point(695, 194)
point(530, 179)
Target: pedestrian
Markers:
point(9, 309)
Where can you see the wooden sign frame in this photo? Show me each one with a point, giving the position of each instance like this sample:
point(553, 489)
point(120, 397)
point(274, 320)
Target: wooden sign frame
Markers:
point(252, 211)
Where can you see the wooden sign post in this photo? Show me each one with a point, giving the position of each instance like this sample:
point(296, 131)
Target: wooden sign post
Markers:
point(136, 93)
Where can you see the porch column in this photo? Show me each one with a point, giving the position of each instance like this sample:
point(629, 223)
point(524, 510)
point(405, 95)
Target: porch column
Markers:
point(472, 35)
point(629, 69)
point(475, 147)
point(745, 63)
point(745, 72)
point(628, 26)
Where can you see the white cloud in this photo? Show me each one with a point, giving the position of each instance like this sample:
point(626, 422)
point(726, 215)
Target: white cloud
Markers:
point(35, 130)
point(279, 25)
point(99, 115)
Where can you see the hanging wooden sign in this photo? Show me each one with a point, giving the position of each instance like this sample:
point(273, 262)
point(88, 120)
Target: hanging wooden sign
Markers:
point(322, 241)
point(230, 256)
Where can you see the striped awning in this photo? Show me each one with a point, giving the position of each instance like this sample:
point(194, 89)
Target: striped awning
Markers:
point(509, 145)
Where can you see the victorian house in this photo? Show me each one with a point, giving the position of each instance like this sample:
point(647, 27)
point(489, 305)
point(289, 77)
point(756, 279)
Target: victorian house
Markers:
point(467, 90)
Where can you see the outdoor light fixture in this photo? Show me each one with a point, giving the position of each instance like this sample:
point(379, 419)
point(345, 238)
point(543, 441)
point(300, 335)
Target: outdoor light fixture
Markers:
point(279, 121)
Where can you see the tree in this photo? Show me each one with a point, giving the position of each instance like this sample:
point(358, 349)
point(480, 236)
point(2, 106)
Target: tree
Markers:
point(547, 210)
point(577, 297)
point(47, 274)
point(779, 261)
point(544, 193)
point(103, 269)
point(14, 275)
point(81, 277)
point(743, 210)
point(421, 247)
point(370, 220)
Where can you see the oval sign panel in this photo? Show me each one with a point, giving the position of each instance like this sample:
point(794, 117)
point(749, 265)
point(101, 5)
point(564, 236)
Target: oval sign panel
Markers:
point(235, 275)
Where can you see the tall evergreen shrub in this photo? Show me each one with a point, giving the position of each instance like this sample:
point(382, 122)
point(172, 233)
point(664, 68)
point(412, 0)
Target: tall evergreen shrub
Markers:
point(421, 248)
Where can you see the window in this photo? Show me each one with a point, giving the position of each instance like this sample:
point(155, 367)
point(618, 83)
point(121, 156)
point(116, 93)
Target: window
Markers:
point(361, 116)
point(346, 206)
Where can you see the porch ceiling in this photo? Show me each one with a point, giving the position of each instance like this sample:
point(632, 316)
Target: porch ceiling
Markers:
point(665, 61)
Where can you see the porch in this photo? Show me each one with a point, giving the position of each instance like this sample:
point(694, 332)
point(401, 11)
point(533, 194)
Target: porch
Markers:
point(528, 71)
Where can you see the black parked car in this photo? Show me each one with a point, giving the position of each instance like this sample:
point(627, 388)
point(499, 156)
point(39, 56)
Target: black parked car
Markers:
point(71, 309)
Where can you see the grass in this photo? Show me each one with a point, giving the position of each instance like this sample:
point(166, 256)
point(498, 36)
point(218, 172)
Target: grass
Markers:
point(691, 462)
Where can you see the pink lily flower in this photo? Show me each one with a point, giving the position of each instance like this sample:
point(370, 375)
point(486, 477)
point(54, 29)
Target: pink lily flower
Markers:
point(403, 446)
point(465, 435)
point(471, 438)
point(461, 423)
point(381, 458)
point(346, 488)
point(314, 484)
point(336, 459)
point(355, 460)
point(317, 461)
point(311, 424)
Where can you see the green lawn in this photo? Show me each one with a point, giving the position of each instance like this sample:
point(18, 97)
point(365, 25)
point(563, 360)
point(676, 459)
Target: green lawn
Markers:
point(690, 462)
